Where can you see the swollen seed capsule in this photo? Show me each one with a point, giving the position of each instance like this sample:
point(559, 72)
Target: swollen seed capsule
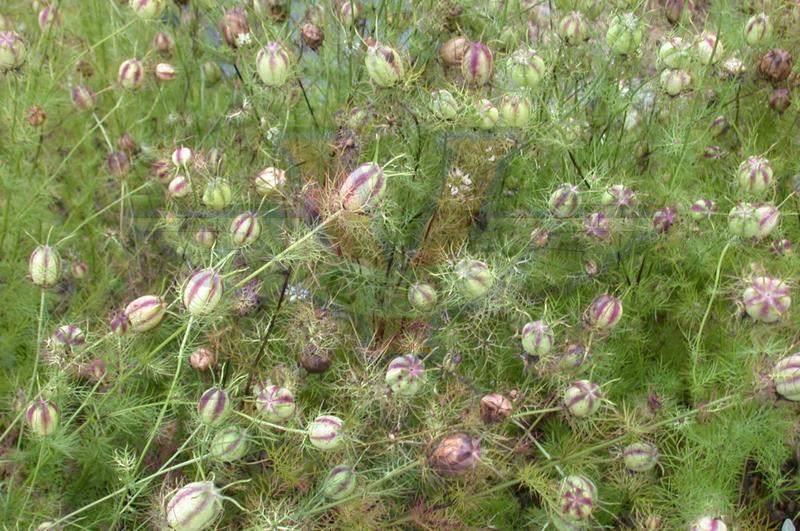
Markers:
point(202, 292)
point(145, 313)
point(474, 278)
point(273, 64)
point(640, 457)
point(455, 455)
point(194, 507)
point(179, 187)
point(604, 313)
point(620, 198)
point(202, 358)
point(624, 34)
point(515, 111)
point(564, 201)
point(443, 105)
point(339, 483)
point(146, 9)
point(422, 297)
point(213, 406)
point(269, 181)
point(205, 237)
point(182, 156)
point(42, 418)
point(578, 497)
point(69, 336)
point(326, 432)
point(165, 72)
point(163, 44)
point(44, 266)
point(708, 49)
point(477, 64)
point(702, 209)
point(405, 375)
point(83, 99)
point(452, 52)
point(275, 403)
point(573, 28)
point(747, 220)
point(131, 74)
point(758, 29)
point(495, 408)
point(597, 225)
point(675, 81)
point(217, 194)
point(229, 444)
point(664, 219)
point(537, 338)
point(786, 377)
point(349, 12)
point(766, 299)
point(674, 53)
point(363, 187)
point(245, 229)
point(234, 28)
point(582, 398)
point(526, 68)
point(12, 51)
point(755, 175)
point(487, 114)
point(384, 65)
point(709, 523)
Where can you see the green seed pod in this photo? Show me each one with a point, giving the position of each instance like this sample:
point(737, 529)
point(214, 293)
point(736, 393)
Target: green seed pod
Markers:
point(202, 292)
point(384, 65)
point(640, 457)
point(363, 188)
point(747, 220)
point(702, 209)
point(582, 398)
point(708, 49)
point(487, 114)
point(573, 28)
point(786, 377)
point(212, 73)
point(564, 201)
point(674, 53)
point(131, 74)
point(443, 105)
point(422, 297)
point(326, 432)
point(604, 313)
point(214, 406)
point(474, 278)
point(339, 483)
point(758, 29)
point(526, 68)
point(477, 64)
point(624, 34)
point(578, 497)
point(218, 194)
point(675, 81)
point(229, 444)
point(12, 51)
point(180, 186)
point(515, 111)
point(709, 523)
point(44, 266)
point(755, 175)
point(273, 64)
point(766, 299)
point(194, 507)
point(537, 338)
point(275, 403)
point(42, 418)
point(405, 375)
point(146, 9)
point(245, 229)
point(269, 181)
point(145, 313)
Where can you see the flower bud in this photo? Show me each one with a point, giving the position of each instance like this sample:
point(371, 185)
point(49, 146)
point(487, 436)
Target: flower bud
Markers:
point(474, 278)
point(619, 198)
point(49, 17)
point(119, 323)
point(194, 507)
point(495, 408)
point(578, 497)
point(211, 72)
point(624, 34)
point(477, 64)
point(537, 338)
point(326, 432)
point(780, 100)
point(69, 336)
point(12, 51)
point(131, 74)
point(766, 299)
point(163, 44)
point(202, 358)
point(775, 65)
point(597, 225)
point(640, 457)
point(755, 175)
point(44, 266)
point(217, 194)
point(452, 52)
point(747, 220)
point(179, 187)
point(582, 398)
point(487, 114)
point(564, 201)
point(455, 455)
point(675, 81)
point(674, 53)
point(229, 444)
point(245, 229)
point(709, 523)
point(515, 111)
point(363, 187)
point(146, 9)
point(405, 375)
point(42, 418)
point(758, 29)
point(339, 483)
point(349, 12)
point(664, 219)
point(384, 65)
point(573, 28)
point(83, 99)
point(708, 49)
point(786, 377)
point(214, 406)
point(702, 209)
point(165, 72)
point(604, 313)
point(272, 64)
point(146, 312)
point(275, 403)
point(443, 105)
point(233, 26)
point(422, 297)
point(526, 68)
point(202, 292)
point(312, 35)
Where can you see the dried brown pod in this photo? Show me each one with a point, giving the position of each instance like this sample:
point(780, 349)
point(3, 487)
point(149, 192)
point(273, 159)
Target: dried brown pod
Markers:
point(118, 164)
point(775, 65)
point(315, 361)
point(780, 100)
point(36, 116)
point(495, 408)
point(452, 52)
point(233, 24)
point(127, 144)
point(202, 358)
point(312, 35)
point(455, 455)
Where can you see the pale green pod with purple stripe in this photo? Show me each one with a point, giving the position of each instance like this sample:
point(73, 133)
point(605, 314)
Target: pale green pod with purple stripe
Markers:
point(526, 68)
point(229, 444)
point(422, 297)
point(578, 497)
point(709, 523)
point(537, 338)
point(214, 406)
point(194, 507)
point(12, 51)
point(582, 398)
point(384, 65)
point(515, 110)
point(326, 432)
point(274, 403)
point(605, 312)
point(340, 482)
point(758, 29)
point(640, 456)
point(42, 418)
point(477, 64)
point(755, 175)
point(130, 74)
point(474, 278)
point(44, 266)
point(405, 375)
point(145, 313)
point(564, 201)
point(786, 377)
point(272, 64)
point(766, 299)
point(202, 292)
point(217, 194)
point(363, 187)
point(245, 229)
point(146, 9)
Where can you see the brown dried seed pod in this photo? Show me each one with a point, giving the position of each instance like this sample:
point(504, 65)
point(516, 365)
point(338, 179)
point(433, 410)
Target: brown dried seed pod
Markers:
point(315, 361)
point(775, 65)
point(312, 35)
point(495, 408)
point(455, 455)
point(780, 100)
point(202, 358)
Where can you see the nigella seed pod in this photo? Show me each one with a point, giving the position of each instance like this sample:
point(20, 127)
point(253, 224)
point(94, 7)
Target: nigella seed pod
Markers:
point(36, 116)
point(780, 100)
point(564, 201)
point(604, 313)
point(12, 51)
point(708, 49)
point(452, 52)
point(487, 114)
point(766, 299)
point(624, 34)
point(455, 455)
point(349, 12)
point(214, 406)
point(443, 104)
point(640, 457)
point(363, 188)
point(405, 375)
point(131, 74)
point(758, 29)
point(755, 175)
point(782, 247)
point(326, 432)
point(205, 237)
point(218, 194)
point(146, 312)
point(384, 65)
point(786, 377)
point(312, 35)
point(674, 53)
point(202, 292)
point(597, 225)
point(245, 229)
point(160, 169)
point(181, 157)
point(619, 198)
point(118, 164)
point(83, 99)
point(42, 418)
point(49, 17)
point(163, 44)
point(165, 72)
point(515, 111)
point(578, 497)
point(315, 360)
point(775, 65)
point(212, 73)
point(146, 9)
point(474, 278)
point(233, 27)
point(537, 338)
point(79, 269)
point(202, 358)
point(674, 9)
point(702, 209)
point(179, 187)
point(273, 64)
point(495, 408)
point(747, 220)
point(477, 64)
point(339, 483)
point(229, 444)
point(44, 266)
point(119, 323)
point(69, 336)
point(275, 403)
point(194, 507)
point(664, 219)
point(720, 126)
point(422, 297)
point(582, 398)
point(526, 68)
point(573, 28)
point(709, 523)
point(675, 81)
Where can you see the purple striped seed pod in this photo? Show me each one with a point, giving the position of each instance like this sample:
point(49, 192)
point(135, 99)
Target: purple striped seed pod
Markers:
point(604, 313)
point(12, 51)
point(180, 186)
point(384, 65)
point(118, 164)
point(515, 110)
point(526, 68)
point(755, 175)
point(782, 247)
point(163, 44)
point(160, 169)
point(477, 64)
point(69, 336)
point(326, 432)
point(675, 81)
point(578, 497)
point(205, 237)
point(214, 406)
point(766, 299)
point(49, 17)
point(146, 312)
point(708, 49)
point(474, 278)
point(564, 201)
point(780, 100)
point(702, 209)
point(42, 418)
point(664, 219)
point(44, 266)
point(455, 455)
point(275, 403)
point(640, 456)
point(573, 28)
point(786, 377)
point(755, 221)
point(182, 156)
point(405, 375)
point(487, 114)
point(597, 225)
point(422, 297)
point(537, 338)
point(349, 12)
point(146, 9)
point(83, 99)
point(165, 72)
point(619, 198)
point(758, 29)
point(363, 188)
point(494, 408)
point(339, 483)
point(194, 507)
point(234, 27)
point(131, 74)
point(79, 269)
point(269, 181)
point(674, 53)
point(245, 229)
point(119, 323)
point(573, 356)
point(202, 292)
point(443, 105)
point(709, 523)
point(229, 444)
point(218, 194)
point(582, 398)
point(273, 64)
